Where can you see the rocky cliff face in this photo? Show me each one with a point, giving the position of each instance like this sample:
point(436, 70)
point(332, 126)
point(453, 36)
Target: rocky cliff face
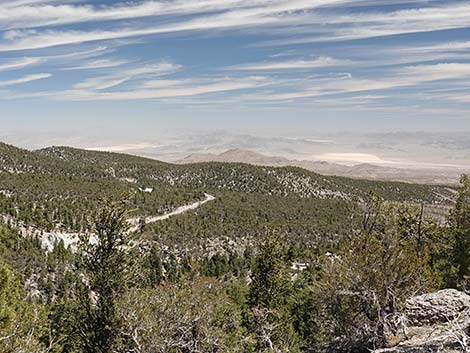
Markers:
point(436, 322)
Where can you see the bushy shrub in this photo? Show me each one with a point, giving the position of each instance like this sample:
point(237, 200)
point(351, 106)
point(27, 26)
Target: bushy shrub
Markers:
point(365, 285)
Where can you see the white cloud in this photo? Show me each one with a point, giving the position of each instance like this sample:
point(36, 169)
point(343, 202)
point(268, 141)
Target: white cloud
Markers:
point(346, 84)
point(18, 63)
point(162, 83)
point(461, 98)
point(101, 83)
point(442, 71)
point(84, 54)
point(247, 14)
point(372, 69)
point(91, 91)
point(105, 82)
point(442, 47)
point(279, 16)
point(16, 3)
point(319, 62)
point(27, 16)
point(97, 64)
point(24, 79)
point(292, 89)
point(73, 57)
point(371, 24)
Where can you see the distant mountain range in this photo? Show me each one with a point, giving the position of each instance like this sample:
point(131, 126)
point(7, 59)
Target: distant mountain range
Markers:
point(361, 171)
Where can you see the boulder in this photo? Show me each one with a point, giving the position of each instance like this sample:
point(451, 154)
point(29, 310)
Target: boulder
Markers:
point(436, 322)
point(439, 307)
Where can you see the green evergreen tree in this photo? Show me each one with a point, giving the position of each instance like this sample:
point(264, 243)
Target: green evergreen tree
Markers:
point(172, 269)
point(154, 263)
point(21, 322)
point(9, 297)
point(459, 228)
point(270, 284)
point(103, 264)
point(269, 300)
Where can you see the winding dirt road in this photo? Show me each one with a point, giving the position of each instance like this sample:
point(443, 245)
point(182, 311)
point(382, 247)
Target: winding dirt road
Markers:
point(49, 239)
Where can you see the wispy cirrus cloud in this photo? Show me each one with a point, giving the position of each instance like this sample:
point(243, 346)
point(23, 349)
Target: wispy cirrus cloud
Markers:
point(96, 91)
point(408, 76)
point(362, 88)
point(440, 71)
point(42, 14)
point(24, 79)
point(294, 17)
point(100, 83)
point(103, 50)
point(448, 46)
point(461, 98)
point(370, 24)
point(19, 63)
point(216, 15)
point(302, 64)
point(97, 64)
point(73, 57)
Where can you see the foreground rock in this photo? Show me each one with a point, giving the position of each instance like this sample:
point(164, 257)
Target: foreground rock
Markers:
point(436, 322)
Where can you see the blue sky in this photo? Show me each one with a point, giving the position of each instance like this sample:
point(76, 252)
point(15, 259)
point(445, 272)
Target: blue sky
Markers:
point(296, 65)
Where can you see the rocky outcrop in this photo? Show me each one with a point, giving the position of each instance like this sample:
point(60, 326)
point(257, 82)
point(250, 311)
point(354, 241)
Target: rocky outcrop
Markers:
point(436, 322)
point(439, 307)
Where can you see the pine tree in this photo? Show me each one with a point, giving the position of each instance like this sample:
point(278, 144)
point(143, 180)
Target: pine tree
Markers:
point(268, 299)
point(459, 228)
point(103, 265)
point(9, 298)
point(20, 321)
point(155, 266)
point(270, 284)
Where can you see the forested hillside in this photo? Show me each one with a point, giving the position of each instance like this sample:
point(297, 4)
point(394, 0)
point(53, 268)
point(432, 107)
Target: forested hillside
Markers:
point(271, 260)
point(63, 186)
point(243, 178)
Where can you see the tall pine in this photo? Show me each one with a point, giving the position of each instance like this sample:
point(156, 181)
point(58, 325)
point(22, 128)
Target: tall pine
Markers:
point(269, 297)
point(103, 265)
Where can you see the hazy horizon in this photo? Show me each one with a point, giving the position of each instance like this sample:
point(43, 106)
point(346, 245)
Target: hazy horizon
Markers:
point(410, 150)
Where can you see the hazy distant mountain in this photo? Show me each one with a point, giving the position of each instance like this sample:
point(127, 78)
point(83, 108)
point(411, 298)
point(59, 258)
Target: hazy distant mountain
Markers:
point(363, 170)
point(237, 156)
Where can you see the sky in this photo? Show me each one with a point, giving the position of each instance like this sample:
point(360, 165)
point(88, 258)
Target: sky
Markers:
point(287, 67)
